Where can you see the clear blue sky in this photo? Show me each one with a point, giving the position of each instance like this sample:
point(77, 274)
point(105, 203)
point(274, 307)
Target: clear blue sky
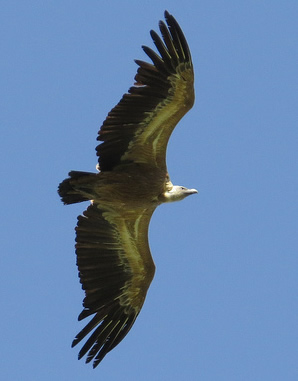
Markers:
point(224, 301)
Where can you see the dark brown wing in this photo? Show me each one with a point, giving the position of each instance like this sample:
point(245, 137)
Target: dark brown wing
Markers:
point(139, 127)
point(115, 269)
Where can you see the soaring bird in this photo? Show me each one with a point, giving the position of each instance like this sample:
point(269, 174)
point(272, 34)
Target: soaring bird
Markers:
point(113, 255)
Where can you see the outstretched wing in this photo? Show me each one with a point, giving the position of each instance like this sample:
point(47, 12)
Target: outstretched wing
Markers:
point(139, 127)
point(115, 269)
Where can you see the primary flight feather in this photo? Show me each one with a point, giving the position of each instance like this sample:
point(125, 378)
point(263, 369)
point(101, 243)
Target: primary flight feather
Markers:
point(113, 254)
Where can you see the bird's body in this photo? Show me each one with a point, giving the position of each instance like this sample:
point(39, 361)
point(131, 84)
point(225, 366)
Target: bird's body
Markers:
point(113, 255)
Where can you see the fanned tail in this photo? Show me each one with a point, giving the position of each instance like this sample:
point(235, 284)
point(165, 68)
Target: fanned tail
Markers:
point(75, 188)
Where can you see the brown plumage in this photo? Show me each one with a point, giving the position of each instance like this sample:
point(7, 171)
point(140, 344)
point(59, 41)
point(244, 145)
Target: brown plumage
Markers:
point(113, 255)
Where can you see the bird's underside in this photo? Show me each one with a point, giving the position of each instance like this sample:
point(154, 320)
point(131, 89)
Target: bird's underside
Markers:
point(113, 256)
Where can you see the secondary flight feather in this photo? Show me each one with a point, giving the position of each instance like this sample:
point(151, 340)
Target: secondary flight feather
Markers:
point(113, 255)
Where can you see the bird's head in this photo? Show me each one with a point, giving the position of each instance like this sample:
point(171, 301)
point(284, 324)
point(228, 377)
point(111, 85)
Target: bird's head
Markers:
point(177, 193)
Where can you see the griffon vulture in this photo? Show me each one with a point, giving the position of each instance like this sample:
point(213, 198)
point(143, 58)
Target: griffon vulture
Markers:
point(113, 256)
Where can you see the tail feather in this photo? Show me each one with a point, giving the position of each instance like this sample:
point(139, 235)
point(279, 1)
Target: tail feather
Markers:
point(71, 191)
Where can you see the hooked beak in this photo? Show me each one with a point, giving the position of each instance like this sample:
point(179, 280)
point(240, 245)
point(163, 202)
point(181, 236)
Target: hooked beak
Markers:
point(192, 191)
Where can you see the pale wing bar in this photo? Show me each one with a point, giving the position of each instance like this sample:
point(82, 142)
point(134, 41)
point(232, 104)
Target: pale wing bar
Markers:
point(152, 88)
point(104, 273)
